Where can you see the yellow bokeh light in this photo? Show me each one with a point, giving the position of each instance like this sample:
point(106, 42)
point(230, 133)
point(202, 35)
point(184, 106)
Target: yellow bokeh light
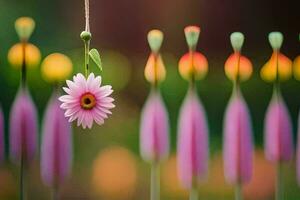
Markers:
point(56, 67)
point(32, 56)
point(269, 70)
point(115, 174)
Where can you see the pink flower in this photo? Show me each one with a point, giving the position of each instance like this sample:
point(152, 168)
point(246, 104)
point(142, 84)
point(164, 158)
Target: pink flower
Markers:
point(298, 152)
point(154, 130)
point(86, 100)
point(56, 149)
point(23, 127)
point(278, 131)
point(192, 141)
point(237, 141)
point(1, 136)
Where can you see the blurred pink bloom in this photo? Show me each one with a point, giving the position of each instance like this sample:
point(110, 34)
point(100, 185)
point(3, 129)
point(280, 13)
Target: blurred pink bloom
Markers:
point(23, 127)
point(192, 144)
point(1, 136)
point(298, 152)
point(154, 130)
point(237, 141)
point(86, 100)
point(56, 149)
point(278, 131)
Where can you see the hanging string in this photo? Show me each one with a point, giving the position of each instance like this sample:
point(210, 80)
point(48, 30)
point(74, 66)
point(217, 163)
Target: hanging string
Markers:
point(87, 15)
point(86, 37)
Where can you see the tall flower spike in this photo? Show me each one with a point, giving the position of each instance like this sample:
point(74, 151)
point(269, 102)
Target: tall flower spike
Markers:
point(278, 66)
point(193, 65)
point(2, 147)
point(192, 133)
point(278, 128)
point(237, 141)
point(56, 148)
point(154, 129)
point(23, 128)
point(237, 147)
point(192, 141)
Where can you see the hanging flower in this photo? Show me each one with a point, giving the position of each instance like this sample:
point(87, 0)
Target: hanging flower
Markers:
point(23, 127)
point(86, 100)
point(237, 141)
point(154, 137)
point(192, 141)
point(1, 136)
point(278, 131)
point(56, 149)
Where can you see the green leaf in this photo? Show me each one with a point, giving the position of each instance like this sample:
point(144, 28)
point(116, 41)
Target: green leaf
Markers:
point(95, 56)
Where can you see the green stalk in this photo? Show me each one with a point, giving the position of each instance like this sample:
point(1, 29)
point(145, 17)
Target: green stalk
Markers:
point(238, 192)
point(22, 178)
point(193, 193)
point(55, 193)
point(155, 182)
point(279, 182)
point(86, 56)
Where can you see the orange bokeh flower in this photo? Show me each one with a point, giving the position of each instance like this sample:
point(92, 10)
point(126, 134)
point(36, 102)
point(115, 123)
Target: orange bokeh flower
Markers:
point(238, 65)
point(193, 64)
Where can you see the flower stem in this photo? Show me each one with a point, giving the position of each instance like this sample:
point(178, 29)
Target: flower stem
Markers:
point(22, 178)
point(238, 192)
point(193, 193)
point(86, 56)
point(55, 193)
point(23, 68)
point(279, 182)
point(155, 182)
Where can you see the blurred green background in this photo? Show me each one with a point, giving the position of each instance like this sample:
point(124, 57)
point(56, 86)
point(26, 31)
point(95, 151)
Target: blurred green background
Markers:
point(106, 159)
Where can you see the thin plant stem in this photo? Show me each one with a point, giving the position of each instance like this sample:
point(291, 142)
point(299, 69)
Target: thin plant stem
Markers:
point(86, 57)
point(23, 67)
point(55, 193)
point(193, 193)
point(238, 192)
point(22, 178)
point(279, 182)
point(155, 182)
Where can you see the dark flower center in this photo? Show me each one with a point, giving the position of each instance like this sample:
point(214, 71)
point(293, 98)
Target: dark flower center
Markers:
point(87, 101)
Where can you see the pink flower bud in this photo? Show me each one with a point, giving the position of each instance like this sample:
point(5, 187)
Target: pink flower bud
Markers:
point(23, 127)
point(154, 130)
point(192, 141)
point(237, 141)
point(278, 131)
point(56, 149)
